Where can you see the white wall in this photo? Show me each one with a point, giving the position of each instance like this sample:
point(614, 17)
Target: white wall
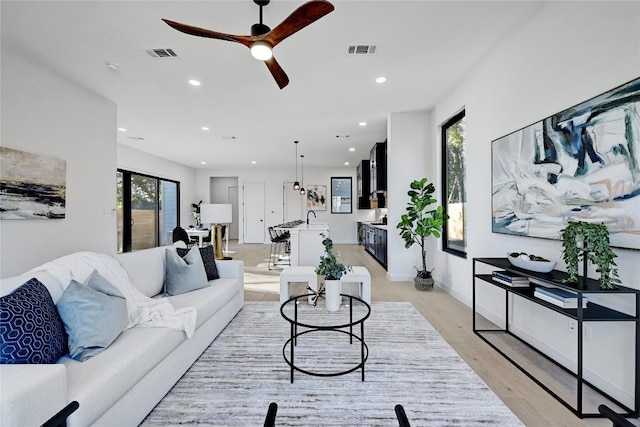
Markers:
point(408, 141)
point(342, 226)
point(138, 161)
point(44, 113)
point(566, 53)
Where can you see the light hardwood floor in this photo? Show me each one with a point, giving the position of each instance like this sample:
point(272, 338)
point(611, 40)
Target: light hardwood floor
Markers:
point(452, 319)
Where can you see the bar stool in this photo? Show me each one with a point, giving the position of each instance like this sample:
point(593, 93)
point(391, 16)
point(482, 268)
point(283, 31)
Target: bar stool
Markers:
point(280, 249)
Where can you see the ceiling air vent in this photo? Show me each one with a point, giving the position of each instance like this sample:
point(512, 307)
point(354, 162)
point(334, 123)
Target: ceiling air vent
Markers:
point(361, 49)
point(161, 53)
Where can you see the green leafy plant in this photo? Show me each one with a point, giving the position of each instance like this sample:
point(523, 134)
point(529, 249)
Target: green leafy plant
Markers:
point(581, 239)
point(421, 220)
point(329, 266)
point(195, 211)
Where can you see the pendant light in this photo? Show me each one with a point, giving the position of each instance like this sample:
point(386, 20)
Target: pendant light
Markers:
point(302, 190)
point(296, 185)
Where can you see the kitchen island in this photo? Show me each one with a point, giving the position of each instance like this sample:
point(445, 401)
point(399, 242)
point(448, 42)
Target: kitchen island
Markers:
point(306, 242)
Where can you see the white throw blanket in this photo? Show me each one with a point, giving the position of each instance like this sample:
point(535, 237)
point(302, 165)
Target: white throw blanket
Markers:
point(143, 311)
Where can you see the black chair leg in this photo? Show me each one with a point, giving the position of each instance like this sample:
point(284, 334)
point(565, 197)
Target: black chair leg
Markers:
point(617, 419)
point(402, 417)
point(270, 420)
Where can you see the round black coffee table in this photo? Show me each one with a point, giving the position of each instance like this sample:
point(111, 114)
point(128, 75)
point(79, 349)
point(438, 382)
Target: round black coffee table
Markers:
point(313, 319)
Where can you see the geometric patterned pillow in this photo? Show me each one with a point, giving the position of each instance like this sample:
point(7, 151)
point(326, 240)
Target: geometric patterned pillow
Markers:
point(208, 258)
point(31, 330)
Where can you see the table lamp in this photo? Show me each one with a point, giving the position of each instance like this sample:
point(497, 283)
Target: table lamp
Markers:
point(217, 214)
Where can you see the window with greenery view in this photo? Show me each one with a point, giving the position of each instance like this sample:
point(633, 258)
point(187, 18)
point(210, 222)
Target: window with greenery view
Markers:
point(147, 210)
point(454, 185)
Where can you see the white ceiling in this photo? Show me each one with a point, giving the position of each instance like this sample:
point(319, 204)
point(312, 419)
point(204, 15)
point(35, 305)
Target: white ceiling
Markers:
point(424, 49)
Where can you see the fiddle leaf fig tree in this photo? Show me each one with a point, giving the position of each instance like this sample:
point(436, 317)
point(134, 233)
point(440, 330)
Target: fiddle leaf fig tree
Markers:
point(421, 220)
point(580, 239)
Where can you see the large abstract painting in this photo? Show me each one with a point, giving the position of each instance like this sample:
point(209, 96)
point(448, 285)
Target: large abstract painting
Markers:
point(580, 164)
point(32, 186)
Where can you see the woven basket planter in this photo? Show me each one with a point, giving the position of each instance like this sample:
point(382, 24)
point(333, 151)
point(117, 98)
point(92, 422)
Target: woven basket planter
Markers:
point(423, 284)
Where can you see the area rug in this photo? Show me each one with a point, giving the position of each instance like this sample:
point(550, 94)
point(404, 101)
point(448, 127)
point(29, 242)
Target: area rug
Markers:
point(409, 363)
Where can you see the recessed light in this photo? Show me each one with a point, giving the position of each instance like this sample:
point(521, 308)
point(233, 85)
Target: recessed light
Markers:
point(352, 149)
point(253, 162)
point(204, 128)
point(193, 82)
point(203, 163)
point(381, 79)
point(122, 130)
point(362, 123)
point(346, 163)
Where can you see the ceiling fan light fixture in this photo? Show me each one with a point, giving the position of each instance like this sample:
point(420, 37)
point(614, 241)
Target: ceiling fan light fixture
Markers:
point(261, 51)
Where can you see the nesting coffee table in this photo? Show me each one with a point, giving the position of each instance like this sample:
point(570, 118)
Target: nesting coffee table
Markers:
point(313, 320)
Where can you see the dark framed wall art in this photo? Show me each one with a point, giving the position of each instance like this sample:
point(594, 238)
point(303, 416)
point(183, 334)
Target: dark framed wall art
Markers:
point(582, 164)
point(341, 195)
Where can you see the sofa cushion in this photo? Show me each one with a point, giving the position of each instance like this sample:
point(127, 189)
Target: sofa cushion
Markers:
point(101, 381)
point(145, 269)
point(209, 300)
point(184, 274)
point(31, 330)
point(208, 259)
point(94, 314)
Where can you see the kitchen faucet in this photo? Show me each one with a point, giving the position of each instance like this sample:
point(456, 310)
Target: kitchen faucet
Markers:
point(314, 215)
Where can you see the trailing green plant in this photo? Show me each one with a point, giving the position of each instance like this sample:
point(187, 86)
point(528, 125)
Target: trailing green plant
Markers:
point(421, 220)
point(329, 266)
point(594, 240)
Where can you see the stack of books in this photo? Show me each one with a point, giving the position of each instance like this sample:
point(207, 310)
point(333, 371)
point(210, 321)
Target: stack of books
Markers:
point(510, 279)
point(560, 297)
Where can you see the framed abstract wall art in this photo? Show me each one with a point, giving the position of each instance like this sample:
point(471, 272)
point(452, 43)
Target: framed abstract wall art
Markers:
point(32, 186)
point(317, 197)
point(581, 164)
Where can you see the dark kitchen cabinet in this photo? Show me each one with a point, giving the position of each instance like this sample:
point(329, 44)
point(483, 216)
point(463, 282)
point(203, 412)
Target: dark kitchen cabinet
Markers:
point(363, 182)
point(378, 175)
point(375, 242)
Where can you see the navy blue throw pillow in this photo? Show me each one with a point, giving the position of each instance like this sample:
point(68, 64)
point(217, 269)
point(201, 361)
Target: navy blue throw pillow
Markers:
point(31, 330)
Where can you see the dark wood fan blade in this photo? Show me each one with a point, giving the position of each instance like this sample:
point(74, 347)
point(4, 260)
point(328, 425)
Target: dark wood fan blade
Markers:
point(306, 14)
point(277, 72)
point(203, 32)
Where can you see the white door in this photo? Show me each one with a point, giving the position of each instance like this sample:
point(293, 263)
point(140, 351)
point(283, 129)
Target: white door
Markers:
point(253, 203)
point(233, 199)
point(292, 203)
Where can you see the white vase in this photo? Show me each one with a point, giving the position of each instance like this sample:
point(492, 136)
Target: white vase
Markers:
point(332, 289)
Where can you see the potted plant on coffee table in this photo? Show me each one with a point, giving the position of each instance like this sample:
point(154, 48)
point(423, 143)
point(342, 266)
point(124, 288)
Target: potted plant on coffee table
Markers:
point(332, 270)
point(421, 221)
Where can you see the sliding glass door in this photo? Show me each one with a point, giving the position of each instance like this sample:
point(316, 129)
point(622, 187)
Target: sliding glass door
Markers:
point(147, 210)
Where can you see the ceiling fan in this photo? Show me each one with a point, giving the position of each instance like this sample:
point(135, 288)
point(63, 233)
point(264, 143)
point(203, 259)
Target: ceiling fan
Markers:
point(263, 39)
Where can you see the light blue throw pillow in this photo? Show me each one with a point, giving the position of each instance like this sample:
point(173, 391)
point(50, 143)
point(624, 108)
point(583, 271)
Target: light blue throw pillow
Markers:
point(94, 314)
point(184, 274)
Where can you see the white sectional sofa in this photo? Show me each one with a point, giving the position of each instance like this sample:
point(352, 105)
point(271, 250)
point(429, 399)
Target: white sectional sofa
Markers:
point(121, 385)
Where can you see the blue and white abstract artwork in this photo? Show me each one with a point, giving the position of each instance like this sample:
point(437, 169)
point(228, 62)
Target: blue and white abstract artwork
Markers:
point(32, 186)
point(580, 164)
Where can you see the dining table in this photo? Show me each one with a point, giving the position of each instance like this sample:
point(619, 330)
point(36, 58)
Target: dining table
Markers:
point(200, 234)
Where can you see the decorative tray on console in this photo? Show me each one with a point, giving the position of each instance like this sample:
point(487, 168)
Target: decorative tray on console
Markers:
point(524, 261)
